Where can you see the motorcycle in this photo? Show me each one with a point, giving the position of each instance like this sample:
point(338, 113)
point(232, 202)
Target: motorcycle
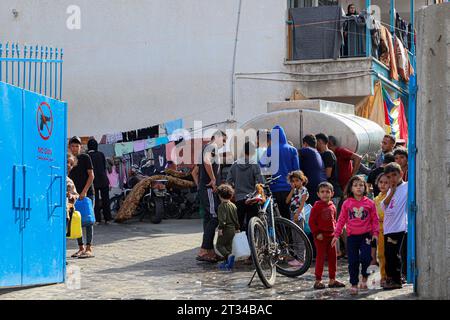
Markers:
point(183, 203)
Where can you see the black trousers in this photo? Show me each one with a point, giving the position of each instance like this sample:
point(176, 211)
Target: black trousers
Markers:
point(280, 198)
point(392, 253)
point(104, 206)
point(245, 213)
point(210, 202)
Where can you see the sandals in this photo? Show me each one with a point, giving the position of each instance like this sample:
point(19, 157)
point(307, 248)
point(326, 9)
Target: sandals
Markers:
point(353, 291)
point(363, 286)
point(77, 254)
point(336, 284)
point(207, 258)
point(86, 255)
point(319, 286)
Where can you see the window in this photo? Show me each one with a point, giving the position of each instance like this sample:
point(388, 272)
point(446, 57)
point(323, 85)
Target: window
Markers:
point(312, 3)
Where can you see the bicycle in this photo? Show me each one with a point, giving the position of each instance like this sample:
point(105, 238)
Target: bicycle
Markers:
point(276, 241)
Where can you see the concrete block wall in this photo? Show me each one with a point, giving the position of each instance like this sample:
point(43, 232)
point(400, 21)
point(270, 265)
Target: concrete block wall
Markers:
point(433, 158)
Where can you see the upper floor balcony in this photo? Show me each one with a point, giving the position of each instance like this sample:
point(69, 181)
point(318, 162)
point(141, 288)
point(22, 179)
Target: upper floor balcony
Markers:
point(339, 55)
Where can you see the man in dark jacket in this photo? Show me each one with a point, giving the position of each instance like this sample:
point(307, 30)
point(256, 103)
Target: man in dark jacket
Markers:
point(284, 161)
point(101, 182)
point(312, 167)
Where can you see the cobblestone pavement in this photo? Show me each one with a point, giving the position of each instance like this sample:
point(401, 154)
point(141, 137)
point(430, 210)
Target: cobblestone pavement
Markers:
point(145, 261)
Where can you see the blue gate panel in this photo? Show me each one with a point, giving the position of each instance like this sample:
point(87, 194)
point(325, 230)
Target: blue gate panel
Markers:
point(45, 189)
point(11, 185)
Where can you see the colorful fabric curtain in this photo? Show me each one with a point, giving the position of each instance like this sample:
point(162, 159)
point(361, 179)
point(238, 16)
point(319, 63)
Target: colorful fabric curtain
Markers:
point(372, 107)
point(395, 117)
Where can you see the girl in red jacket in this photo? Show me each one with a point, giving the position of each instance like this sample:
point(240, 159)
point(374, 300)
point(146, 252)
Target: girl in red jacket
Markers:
point(359, 215)
point(322, 222)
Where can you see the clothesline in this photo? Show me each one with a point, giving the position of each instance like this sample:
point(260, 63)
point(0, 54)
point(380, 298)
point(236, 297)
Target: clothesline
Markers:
point(336, 20)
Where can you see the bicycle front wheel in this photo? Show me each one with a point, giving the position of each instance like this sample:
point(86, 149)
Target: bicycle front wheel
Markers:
point(295, 249)
point(261, 253)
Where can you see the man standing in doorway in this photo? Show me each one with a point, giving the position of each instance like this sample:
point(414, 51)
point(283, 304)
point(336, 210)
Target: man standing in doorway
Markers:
point(101, 183)
point(206, 175)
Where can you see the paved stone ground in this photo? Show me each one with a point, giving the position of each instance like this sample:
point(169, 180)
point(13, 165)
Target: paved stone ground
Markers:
point(145, 261)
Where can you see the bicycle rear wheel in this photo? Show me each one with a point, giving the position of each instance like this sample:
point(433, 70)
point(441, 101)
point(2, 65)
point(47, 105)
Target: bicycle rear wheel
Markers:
point(295, 249)
point(262, 257)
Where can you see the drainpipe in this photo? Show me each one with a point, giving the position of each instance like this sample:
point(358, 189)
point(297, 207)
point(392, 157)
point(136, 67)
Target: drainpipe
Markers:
point(412, 152)
point(392, 18)
point(368, 36)
point(233, 72)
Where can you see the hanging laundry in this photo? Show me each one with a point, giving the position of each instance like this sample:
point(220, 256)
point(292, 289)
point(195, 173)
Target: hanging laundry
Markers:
point(136, 158)
point(401, 30)
point(107, 150)
point(171, 152)
point(139, 145)
point(402, 122)
point(402, 59)
point(159, 156)
point(173, 125)
point(395, 117)
point(113, 177)
point(123, 148)
point(144, 133)
point(132, 135)
point(372, 107)
point(154, 131)
point(161, 141)
point(150, 143)
point(114, 138)
point(387, 52)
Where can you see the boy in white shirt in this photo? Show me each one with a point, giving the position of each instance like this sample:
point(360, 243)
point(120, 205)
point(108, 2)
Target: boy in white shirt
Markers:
point(395, 224)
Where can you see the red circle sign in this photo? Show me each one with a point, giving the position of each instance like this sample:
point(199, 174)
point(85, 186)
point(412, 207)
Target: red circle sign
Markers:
point(44, 120)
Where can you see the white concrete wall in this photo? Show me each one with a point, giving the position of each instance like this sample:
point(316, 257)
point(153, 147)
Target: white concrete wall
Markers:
point(137, 63)
point(433, 157)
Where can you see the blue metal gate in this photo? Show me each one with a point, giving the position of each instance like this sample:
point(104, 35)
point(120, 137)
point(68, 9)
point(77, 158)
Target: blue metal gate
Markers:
point(32, 180)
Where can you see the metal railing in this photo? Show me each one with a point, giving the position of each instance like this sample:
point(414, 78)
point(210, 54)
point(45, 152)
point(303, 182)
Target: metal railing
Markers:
point(34, 68)
point(354, 32)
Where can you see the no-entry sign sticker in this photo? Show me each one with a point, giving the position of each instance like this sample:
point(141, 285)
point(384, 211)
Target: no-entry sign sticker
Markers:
point(44, 120)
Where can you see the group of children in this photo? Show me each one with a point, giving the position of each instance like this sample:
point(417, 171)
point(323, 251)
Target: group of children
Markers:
point(372, 226)
point(376, 229)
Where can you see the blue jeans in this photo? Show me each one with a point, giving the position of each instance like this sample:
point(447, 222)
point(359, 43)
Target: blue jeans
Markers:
point(358, 252)
point(89, 235)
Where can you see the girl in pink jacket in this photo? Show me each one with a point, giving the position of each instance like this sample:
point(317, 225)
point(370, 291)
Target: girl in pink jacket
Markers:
point(359, 215)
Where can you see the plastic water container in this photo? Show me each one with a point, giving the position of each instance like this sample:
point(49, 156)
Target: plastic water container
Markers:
point(75, 226)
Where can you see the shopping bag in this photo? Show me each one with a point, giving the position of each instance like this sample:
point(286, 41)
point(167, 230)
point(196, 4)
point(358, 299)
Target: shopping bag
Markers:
point(74, 227)
point(240, 247)
point(306, 213)
point(87, 211)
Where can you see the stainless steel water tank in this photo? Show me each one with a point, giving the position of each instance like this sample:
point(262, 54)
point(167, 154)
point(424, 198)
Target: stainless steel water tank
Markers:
point(358, 134)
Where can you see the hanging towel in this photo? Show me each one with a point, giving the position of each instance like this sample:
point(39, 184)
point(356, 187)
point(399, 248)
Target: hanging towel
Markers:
point(113, 138)
point(150, 143)
point(173, 125)
point(161, 141)
point(123, 148)
point(107, 150)
point(139, 145)
point(387, 54)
